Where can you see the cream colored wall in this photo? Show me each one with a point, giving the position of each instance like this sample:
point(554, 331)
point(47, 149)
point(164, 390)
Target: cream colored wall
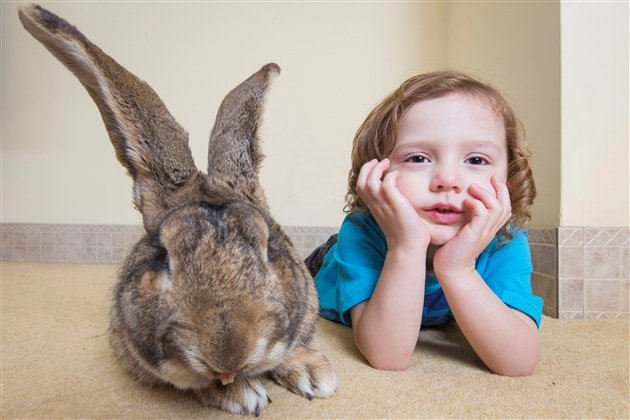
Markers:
point(595, 110)
point(516, 47)
point(337, 59)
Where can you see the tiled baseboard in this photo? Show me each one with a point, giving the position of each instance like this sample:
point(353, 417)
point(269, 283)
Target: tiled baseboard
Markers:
point(593, 272)
point(105, 244)
point(543, 243)
point(580, 272)
point(306, 238)
point(79, 244)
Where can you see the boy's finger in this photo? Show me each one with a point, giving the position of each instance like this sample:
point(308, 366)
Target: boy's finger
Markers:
point(486, 197)
point(365, 171)
point(362, 180)
point(375, 175)
point(488, 212)
point(503, 193)
point(389, 185)
point(380, 168)
point(478, 207)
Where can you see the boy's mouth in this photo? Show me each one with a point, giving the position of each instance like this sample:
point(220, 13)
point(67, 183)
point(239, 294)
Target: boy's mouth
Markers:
point(444, 213)
point(445, 208)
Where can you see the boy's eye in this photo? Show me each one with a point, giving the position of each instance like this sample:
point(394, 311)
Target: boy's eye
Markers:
point(476, 161)
point(419, 159)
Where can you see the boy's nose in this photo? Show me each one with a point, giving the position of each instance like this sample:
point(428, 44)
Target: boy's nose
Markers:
point(447, 179)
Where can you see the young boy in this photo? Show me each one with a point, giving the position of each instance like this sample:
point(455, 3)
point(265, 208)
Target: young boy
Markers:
point(438, 197)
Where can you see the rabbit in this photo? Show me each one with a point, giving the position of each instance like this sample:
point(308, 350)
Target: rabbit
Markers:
point(213, 296)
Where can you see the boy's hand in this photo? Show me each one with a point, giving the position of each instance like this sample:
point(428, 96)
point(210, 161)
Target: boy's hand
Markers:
point(491, 210)
point(399, 221)
point(386, 326)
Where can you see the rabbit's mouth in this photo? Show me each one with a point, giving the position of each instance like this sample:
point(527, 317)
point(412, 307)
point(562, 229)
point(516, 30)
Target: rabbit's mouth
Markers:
point(227, 378)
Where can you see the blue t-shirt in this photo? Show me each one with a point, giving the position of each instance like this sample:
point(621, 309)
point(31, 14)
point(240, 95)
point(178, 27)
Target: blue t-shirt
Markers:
point(353, 266)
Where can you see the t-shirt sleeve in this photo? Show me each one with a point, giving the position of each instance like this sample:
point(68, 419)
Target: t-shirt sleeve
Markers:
point(507, 269)
point(351, 268)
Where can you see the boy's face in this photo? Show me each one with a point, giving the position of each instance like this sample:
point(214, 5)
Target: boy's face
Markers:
point(444, 145)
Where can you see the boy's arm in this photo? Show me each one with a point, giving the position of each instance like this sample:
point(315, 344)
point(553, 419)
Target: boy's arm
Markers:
point(386, 326)
point(505, 339)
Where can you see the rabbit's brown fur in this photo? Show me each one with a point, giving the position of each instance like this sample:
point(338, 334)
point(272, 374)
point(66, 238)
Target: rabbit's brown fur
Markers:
point(214, 291)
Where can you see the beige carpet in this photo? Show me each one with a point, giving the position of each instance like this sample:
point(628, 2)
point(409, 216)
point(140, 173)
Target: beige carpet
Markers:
point(56, 363)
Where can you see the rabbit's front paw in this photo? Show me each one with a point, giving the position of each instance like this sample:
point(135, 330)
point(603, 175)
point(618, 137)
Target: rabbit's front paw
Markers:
point(243, 396)
point(308, 373)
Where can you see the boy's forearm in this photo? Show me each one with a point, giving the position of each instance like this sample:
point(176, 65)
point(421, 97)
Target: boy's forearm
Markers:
point(506, 340)
point(386, 327)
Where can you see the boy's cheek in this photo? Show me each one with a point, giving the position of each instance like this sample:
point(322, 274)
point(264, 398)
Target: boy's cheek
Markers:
point(483, 182)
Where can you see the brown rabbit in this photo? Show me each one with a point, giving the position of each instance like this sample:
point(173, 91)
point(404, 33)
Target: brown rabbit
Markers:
point(213, 296)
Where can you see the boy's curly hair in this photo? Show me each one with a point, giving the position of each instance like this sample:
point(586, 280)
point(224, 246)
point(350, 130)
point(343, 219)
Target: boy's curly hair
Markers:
point(377, 135)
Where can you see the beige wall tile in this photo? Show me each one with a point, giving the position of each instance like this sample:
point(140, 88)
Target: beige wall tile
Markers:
point(131, 239)
point(20, 252)
point(310, 242)
point(48, 253)
point(571, 314)
point(296, 240)
point(118, 240)
point(606, 236)
point(89, 253)
point(571, 261)
point(602, 295)
point(549, 311)
point(7, 252)
point(571, 293)
point(104, 239)
point(75, 239)
point(544, 258)
point(118, 254)
point(103, 254)
point(60, 238)
point(602, 261)
point(544, 286)
point(605, 315)
point(34, 253)
point(20, 239)
point(48, 238)
point(34, 238)
point(60, 253)
point(90, 239)
point(7, 237)
point(542, 235)
point(570, 236)
point(74, 253)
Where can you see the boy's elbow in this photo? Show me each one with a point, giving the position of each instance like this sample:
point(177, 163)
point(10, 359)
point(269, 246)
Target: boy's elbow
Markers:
point(387, 362)
point(525, 368)
point(388, 365)
point(513, 372)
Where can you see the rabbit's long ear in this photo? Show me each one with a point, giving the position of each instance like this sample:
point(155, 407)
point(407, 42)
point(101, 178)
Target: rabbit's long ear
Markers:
point(149, 143)
point(234, 154)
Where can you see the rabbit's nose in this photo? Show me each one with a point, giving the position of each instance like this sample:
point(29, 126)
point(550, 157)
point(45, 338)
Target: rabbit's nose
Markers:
point(227, 378)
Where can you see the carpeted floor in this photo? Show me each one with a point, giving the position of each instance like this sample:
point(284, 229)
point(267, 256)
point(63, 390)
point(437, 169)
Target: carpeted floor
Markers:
point(56, 363)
